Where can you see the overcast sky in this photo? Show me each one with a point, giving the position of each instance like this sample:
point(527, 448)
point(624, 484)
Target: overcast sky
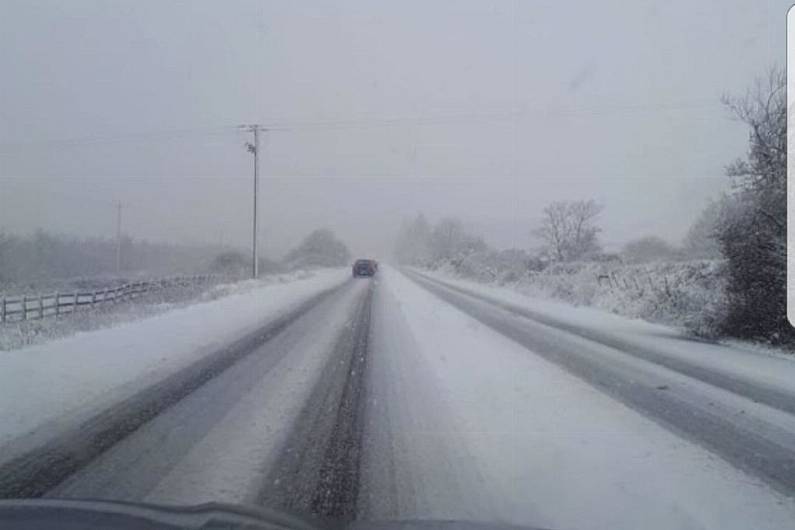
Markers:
point(482, 110)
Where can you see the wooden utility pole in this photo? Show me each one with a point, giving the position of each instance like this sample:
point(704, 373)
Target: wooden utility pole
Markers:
point(254, 149)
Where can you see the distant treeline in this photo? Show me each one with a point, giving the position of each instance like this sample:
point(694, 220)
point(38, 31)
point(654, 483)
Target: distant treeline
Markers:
point(43, 259)
point(320, 248)
point(42, 256)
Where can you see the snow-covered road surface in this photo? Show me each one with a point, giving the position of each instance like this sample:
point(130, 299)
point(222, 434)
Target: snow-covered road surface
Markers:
point(560, 451)
point(401, 398)
point(741, 427)
point(763, 377)
point(76, 376)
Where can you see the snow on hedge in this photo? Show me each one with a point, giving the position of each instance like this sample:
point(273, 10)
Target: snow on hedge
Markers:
point(687, 294)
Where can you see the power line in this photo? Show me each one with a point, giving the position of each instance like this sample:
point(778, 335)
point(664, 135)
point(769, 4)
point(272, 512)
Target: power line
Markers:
point(10, 181)
point(371, 122)
point(498, 115)
point(14, 147)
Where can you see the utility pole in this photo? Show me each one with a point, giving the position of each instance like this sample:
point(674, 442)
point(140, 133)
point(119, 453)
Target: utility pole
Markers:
point(254, 149)
point(118, 238)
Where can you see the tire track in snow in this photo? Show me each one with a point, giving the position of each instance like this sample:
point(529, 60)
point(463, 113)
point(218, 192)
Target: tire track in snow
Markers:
point(319, 466)
point(772, 397)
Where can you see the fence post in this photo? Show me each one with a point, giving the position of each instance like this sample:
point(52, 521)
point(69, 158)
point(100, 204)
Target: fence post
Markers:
point(41, 307)
point(93, 299)
point(24, 307)
point(105, 295)
point(57, 304)
point(3, 310)
point(74, 303)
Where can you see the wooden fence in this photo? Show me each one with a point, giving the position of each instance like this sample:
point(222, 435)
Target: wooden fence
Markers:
point(30, 307)
point(633, 282)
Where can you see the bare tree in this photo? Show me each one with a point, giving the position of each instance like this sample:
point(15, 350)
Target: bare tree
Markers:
point(414, 241)
point(447, 237)
point(764, 109)
point(752, 232)
point(569, 229)
point(701, 240)
point(554, 229)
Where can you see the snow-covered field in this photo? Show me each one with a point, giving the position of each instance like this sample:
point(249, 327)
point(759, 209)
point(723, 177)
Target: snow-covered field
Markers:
point(481, 428)
point(19, 334)
point(41, 385)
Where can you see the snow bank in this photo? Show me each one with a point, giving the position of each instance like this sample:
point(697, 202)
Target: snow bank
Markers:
point(58, 381)
point(237, 287)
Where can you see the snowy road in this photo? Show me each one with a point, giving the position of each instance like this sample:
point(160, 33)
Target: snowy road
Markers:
point(402, 398)
point(746, 421)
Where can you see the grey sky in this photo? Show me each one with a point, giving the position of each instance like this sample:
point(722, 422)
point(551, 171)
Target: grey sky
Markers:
point(484, 110)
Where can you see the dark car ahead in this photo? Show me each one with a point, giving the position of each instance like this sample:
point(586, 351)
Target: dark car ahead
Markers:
point(364, 267)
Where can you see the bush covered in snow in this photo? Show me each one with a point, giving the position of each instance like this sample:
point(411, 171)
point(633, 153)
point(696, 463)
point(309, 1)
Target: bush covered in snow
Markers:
point(685, 293)
point(688, 294)
point(726, 279)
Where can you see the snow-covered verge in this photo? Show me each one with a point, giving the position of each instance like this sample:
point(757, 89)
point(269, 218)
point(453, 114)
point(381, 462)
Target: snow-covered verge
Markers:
point(16, 335)
point(68, 377)
point(686, 294)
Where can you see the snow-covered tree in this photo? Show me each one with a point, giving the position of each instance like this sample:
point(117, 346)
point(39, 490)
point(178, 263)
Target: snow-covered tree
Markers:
point(321, 248)
point(413, 241)
point(446, 241)
point(752, 230)
point(568, 229)
point(701, 240)
point(446, 238)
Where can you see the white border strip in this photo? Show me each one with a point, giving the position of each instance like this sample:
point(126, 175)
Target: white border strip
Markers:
point(790, 62)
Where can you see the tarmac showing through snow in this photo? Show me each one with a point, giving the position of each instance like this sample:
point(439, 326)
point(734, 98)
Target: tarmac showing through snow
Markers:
point(408, 397)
